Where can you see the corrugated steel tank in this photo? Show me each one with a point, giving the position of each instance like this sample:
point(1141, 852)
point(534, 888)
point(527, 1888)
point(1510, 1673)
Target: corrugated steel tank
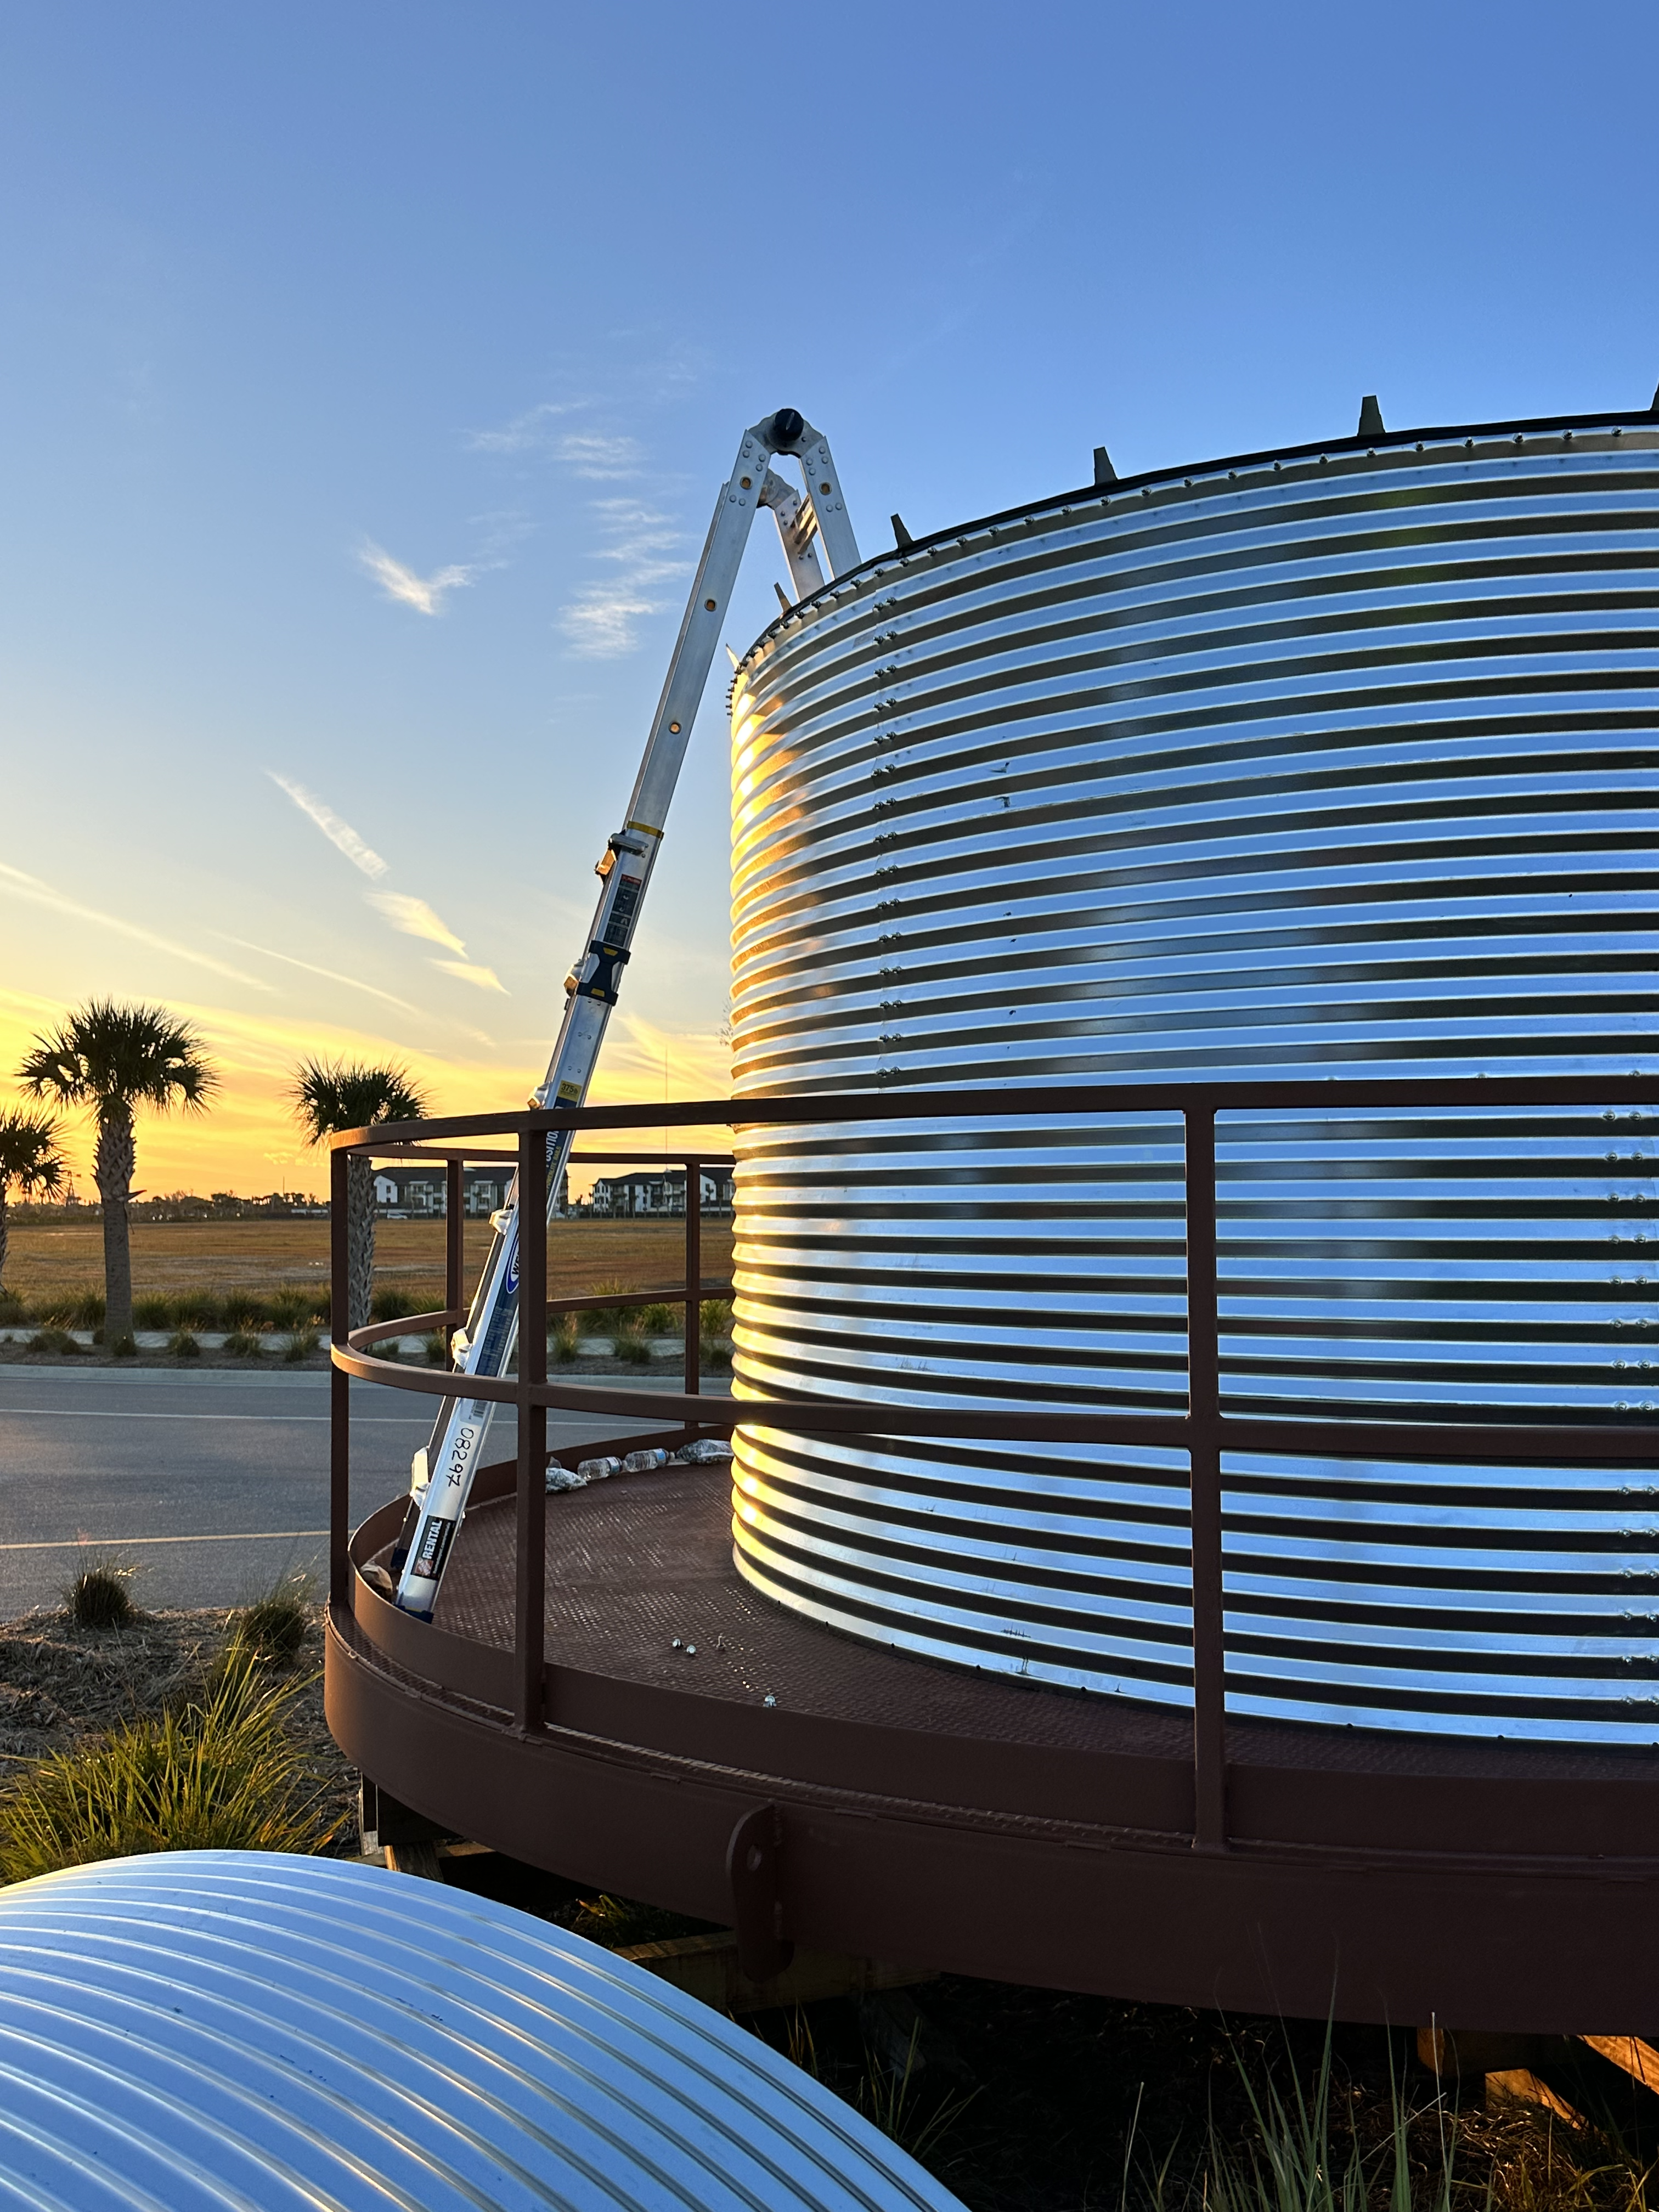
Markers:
point(242, 2031)
point(1323, 763)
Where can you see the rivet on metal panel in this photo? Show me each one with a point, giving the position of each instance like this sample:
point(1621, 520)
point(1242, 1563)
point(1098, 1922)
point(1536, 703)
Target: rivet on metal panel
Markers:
point(752, 1871)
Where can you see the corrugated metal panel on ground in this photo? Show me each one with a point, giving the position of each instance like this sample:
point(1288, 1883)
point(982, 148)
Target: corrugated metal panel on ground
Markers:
point(227, 2029)
point(1339, 766)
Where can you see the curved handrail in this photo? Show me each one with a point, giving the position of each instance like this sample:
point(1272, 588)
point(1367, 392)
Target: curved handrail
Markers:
point(1202, 1430)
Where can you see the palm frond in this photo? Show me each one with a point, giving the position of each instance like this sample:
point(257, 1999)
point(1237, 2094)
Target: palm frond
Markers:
point(329, 1096)
point(30, 1162)
point(108, 1055)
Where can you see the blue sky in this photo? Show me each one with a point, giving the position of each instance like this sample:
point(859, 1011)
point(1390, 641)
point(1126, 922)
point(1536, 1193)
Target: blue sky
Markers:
point(367, 372)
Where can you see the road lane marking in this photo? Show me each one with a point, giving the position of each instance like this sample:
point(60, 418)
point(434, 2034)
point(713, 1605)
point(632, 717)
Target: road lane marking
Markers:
point(556, 1417)
point(114, 1543)
point(96, 1414)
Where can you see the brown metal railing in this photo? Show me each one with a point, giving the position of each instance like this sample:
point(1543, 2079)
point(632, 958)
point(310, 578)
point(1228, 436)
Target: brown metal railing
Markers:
point(1203, 1432)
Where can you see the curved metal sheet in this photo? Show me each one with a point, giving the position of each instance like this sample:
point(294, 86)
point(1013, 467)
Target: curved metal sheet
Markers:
point(1326, 764)
point(238, 2029)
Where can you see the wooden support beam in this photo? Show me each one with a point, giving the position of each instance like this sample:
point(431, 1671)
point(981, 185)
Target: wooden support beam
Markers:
point(420, 1859)
point(1629, 2054)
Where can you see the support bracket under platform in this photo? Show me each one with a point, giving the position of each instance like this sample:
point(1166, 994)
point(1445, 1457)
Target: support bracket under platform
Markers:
point(753, 1870)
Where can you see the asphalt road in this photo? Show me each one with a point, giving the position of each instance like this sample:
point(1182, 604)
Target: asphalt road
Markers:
point(212, 1486)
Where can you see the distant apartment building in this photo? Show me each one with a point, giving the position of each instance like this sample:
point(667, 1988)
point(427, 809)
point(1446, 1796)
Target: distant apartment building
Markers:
point(655, 1192)
point(418, 1194)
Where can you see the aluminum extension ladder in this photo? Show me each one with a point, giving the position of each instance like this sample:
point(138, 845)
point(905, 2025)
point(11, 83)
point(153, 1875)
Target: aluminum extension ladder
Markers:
point(441, 1474)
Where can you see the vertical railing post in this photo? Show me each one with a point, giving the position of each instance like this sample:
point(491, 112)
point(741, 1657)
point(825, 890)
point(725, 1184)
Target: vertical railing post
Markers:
point(530, 1603)
point(693, 1278)
point(339, 1390)
point(454, 1244)
point(1204, 1433)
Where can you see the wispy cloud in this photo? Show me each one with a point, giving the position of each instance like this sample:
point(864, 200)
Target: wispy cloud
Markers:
point(406, 913)
point(593, 453)
point(646, 550)
point(338, 833)
point(414, 918)
point(500, 531)
point(36, 893)
point(483, 979)
point(531, 431)
point(351, 983)
point(600, 454)
point(426, 594)
point(599, 623)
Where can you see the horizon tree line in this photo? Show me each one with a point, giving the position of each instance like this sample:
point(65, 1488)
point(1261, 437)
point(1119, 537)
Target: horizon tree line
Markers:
point(114, 1061)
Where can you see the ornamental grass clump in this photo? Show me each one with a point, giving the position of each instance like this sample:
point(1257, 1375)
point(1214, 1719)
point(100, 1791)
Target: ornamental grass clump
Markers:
point(293, 1306)
point(54, 1340)
point(99, 1596)
point(219, 1774)
point(714, 1331)
point(604, 1320)
point(274, 1626)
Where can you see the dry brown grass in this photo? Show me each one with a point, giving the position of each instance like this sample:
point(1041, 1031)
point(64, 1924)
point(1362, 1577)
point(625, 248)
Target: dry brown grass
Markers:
point(64, 1688)
point(50, 1258)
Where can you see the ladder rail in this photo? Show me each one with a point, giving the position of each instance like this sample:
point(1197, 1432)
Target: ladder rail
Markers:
point(440, 1475)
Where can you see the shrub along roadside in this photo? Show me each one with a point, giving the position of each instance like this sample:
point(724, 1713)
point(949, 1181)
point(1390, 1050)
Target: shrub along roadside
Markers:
point(99, 1596)
point(218, 1773)
point(291, 1307)
point(54, 1339)
point(273, 1627)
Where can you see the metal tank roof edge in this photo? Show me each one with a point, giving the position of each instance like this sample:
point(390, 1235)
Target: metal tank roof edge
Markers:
point(1184, 475)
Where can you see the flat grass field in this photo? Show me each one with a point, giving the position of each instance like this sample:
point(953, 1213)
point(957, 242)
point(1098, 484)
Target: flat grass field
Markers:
point(260, 1256)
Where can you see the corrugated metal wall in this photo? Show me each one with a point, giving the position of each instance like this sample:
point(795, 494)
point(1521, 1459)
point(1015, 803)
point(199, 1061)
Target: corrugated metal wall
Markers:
point(242, 2031)
point(1332, 764)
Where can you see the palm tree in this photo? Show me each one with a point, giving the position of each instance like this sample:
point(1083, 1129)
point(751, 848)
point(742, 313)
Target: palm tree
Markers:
point(113, 1059)
point(30, 1165)
point(329, 1096)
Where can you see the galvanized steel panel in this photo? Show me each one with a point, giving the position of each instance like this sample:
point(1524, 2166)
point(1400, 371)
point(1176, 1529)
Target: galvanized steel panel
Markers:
point(1321, 764)
point(229, 2029)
